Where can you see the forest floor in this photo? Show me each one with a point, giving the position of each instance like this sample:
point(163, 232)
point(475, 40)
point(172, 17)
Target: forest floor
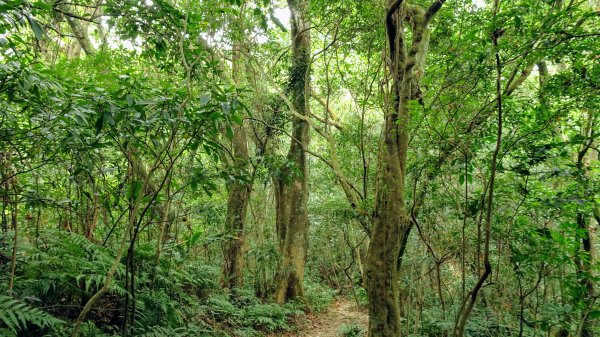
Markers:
point(327, 324)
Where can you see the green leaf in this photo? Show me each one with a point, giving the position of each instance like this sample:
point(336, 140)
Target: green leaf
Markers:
point(16, 314)
point(594, 314)
point(226, 107)
point(237, 119)
point(42, 5)
point(99, 123)
point(134, 189)
point(204, 99)
point(194, 238)
point(129, 100)
point(567, 308)
point(39, 32)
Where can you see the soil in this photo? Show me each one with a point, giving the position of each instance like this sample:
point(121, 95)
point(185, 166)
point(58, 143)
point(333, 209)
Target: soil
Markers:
point(327, 324)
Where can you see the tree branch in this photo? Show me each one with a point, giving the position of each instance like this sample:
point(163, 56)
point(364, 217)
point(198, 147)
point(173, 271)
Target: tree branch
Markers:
point(433, 9)
point(392, 31)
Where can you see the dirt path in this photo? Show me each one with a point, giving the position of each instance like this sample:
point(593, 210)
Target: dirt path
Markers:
point(327, 324)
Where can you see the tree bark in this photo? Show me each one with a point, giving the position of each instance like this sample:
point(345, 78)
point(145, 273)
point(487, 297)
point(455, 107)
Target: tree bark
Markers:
point(584, 261)
point(239, 189)
point(291, 185)
point(391, 225)
point(237, 206)
point(79, 26)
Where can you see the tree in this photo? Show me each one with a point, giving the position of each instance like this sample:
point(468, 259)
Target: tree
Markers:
point(154, 154)
point(240, 187)
point(291, 188)
point(391, 224)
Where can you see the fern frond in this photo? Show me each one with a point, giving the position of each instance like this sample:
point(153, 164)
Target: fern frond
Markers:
point(16, 315)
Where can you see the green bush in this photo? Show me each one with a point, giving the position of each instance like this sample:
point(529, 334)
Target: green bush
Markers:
point(361, 294)
point(352, 330)
point(269, 317)
point(319, 296)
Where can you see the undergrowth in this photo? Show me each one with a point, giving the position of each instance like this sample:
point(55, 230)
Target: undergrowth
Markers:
point(352, 330)
point(179, 296)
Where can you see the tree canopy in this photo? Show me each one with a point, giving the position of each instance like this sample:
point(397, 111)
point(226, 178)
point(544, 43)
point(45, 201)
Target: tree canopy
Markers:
point(236, 167)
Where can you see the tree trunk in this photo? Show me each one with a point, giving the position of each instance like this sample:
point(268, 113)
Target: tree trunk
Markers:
point(79, 27)
point(584, 271)
point(584, 261)
point(291, 186)
point(239, 190)
point(391, 225)
point(237, 206)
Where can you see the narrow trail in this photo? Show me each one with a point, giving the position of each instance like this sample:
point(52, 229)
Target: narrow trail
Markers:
point(328, 324)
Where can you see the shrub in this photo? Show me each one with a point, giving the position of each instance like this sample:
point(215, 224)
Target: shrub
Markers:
point(352, 330)
point(319, 296)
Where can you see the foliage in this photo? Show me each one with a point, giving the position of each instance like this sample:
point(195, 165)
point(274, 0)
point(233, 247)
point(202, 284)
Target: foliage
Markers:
point(117, 121)
point(319, 295)
point(17, 315)
point(352, 330)
point(61, 269)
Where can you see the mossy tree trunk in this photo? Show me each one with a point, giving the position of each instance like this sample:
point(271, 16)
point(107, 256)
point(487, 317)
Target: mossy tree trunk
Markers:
point(391, 225)
point(240, 188)
point(237, 206)
point(291, 185)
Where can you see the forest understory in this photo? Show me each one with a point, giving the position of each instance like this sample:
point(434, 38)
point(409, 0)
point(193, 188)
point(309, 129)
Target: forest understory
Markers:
point(312, 168)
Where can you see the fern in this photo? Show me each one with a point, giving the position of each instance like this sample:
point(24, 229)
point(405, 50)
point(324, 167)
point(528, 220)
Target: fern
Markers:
point(159, 331)
point(16, 315)
point(189, 330)
point(220, 306)
point(69, 263)
point(7, 333)
point(270, 317)
point(247, 332)
point(352, 330)
point(156, 307)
